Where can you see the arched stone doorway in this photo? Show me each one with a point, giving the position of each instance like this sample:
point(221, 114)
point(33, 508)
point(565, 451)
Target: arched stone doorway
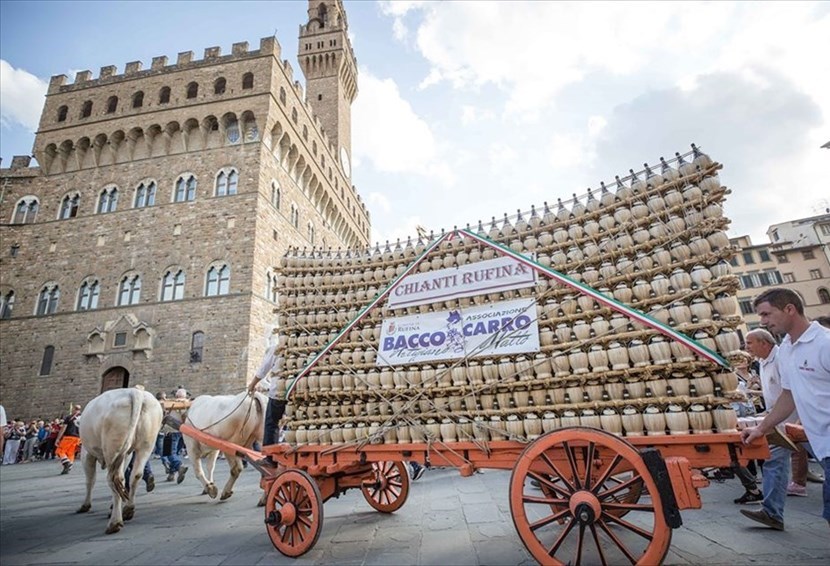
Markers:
point(115, 378)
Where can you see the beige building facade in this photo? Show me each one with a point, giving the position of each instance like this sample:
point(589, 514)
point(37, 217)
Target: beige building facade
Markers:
point(801, 264)
point(142, 248)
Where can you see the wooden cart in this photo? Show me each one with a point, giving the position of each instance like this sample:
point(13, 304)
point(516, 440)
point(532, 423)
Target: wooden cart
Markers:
point(577, 495)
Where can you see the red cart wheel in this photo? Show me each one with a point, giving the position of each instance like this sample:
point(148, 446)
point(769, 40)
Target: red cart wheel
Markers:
point(590, 479)
point(389, 487)
point(294, 513)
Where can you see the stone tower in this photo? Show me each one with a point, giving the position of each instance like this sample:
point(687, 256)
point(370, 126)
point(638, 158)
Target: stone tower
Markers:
point(144, 246)
point(330, 68)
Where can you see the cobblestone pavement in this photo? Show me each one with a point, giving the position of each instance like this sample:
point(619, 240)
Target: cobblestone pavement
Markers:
point(446, 520)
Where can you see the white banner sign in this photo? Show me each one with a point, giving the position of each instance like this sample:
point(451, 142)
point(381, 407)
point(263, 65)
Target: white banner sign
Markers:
point(489, 276)
point(508, 327)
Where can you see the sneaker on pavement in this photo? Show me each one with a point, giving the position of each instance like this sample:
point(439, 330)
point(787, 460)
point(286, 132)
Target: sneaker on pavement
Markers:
point(171, 476)
point(415, 471)
point(151, 484)
point(764, 518)
point(182, 472)
point(815, 478)
point(750, 497)
point(66, 467)
point(796, 490)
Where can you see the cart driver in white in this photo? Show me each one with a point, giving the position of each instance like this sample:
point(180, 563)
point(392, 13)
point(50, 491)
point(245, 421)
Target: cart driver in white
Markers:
point(271, 362)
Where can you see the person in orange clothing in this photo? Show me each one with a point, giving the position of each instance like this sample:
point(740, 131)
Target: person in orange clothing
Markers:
point(69, 439)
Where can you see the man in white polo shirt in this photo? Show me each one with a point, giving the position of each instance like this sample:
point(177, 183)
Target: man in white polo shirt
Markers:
point(804, 364)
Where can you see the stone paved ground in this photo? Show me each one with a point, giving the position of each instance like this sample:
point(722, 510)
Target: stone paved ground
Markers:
point(447, 520)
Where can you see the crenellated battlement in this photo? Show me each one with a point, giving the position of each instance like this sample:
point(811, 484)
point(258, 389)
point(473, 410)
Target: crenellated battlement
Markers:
point(159, 65)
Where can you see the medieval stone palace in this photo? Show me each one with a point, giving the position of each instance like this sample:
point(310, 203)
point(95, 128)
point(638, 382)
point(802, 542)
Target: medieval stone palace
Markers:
point(141, 249)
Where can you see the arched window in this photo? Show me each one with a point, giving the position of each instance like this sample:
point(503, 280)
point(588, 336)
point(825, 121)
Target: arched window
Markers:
point(219, 86)
point(145, 195)
point(47, 301)
point(164, 95)
point(185, 189)
point(112, 104)
point(305, 133)
point(46, 362)
point(282, 95)
point(226, 183)
point(218, 280)
point(322, 15)
point(62, 112)
point(138, 99)
point(823, 296)
point(129, 291)
point(311, 233)
point(26, 210)
point(272, 291)
point(69, 206)
point(294, 115)
point(88, 295)
point(192, 90)
point(295, 216)
point(108, 200)
point(314, 147)
point(86, 109)
point(7, 305)
point(247, 81)
point(197, 345)
point(172, 286)
point(275, 195)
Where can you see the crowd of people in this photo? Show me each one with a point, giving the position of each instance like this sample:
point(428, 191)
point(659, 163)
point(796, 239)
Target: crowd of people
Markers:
point(31, 442)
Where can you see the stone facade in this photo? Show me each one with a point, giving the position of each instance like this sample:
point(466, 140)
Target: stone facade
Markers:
point(802, 267)
point(267, 178)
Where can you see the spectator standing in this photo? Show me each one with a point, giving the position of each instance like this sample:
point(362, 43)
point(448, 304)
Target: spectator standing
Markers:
point(42, 437)
point(14, 433)
point(52, 438)
point(31, 441)
point(804, 364)
point(68, 439)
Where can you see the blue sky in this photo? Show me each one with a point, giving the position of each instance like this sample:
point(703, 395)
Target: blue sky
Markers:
point(468, 110)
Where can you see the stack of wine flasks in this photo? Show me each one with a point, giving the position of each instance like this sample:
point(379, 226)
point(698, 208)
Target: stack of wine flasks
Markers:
point(654, 240)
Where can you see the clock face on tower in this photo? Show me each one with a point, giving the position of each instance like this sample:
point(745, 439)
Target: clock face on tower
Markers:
point(344, 161)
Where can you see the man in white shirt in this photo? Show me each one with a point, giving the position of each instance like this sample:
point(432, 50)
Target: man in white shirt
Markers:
point(761, 344)
point(271, 362)
point(804, 365)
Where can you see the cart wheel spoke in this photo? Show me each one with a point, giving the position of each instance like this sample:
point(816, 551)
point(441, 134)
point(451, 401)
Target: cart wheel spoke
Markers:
point(628, 483)
point(626, 525)
point(550, 519)
point(629, 506)
point(544, 500)
point(549, 484)
point(601, 553)
point(581, 537)
point(557, 473)
point(607, 473)
point(569, 452)
point(589, 463)
point(618, 542)
point(552, 550)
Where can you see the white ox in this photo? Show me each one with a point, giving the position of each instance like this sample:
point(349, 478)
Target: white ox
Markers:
point(114, 425)
point(234, 418)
